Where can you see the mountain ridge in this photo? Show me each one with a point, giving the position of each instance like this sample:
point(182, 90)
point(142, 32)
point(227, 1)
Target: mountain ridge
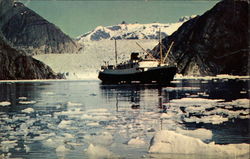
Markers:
point(213, 43)
point(30, 32)
point(16, 65)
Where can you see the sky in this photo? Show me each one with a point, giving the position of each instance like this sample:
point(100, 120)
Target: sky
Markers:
point(76, 17)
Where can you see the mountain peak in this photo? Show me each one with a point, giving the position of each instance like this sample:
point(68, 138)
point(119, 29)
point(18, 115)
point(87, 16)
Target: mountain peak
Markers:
point(132, 31)
point(30, 32)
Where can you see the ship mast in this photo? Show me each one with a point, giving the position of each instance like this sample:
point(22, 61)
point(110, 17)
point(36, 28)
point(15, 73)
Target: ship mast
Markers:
point(160, 44)
point(115, 53)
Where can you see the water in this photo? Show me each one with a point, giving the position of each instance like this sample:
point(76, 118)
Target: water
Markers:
point(85, 119)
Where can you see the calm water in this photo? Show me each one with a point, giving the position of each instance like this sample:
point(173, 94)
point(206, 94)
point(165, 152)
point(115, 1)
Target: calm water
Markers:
point(63, 119)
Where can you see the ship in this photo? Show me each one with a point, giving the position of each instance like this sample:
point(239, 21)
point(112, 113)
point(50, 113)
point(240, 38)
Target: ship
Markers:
point(139, 69)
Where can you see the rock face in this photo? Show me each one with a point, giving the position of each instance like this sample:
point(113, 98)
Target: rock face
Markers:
point(213, 43)
point(16, 65)
point(28, 31)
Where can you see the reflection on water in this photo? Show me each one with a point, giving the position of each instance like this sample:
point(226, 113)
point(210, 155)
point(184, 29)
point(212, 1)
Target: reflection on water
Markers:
point(80, 119)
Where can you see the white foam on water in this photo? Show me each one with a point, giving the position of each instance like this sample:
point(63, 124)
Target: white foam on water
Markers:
point(173, 143)
point(5, 103)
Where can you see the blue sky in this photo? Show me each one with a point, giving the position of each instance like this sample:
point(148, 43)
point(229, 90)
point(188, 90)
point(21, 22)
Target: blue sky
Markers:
point(76, 17)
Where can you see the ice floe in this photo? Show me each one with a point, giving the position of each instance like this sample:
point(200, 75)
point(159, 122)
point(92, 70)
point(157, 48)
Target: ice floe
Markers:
point(6, 145)
point(170, 89)
point(64, 124)
point(27, 102)
point(173, 143)
point(22, 98)
point(98, 152)
point(5, 103)
point(28, 110)
point(136, 141)
point(213, 119)
point(70, 104)
point(200, 133)
point(103, 138)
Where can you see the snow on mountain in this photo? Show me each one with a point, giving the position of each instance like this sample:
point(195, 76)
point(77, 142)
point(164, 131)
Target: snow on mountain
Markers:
point(133, 31)
point(87, 64)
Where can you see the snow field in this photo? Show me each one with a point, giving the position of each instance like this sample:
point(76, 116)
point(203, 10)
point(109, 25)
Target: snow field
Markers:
point(87, 63)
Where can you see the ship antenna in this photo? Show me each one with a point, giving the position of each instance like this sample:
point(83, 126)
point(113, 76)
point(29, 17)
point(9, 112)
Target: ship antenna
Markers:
point(168, 52)
point(115, 53)
point(160, 44)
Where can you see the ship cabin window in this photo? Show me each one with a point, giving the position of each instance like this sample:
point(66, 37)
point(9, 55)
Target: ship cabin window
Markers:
point(110, 67)
point(103, 67)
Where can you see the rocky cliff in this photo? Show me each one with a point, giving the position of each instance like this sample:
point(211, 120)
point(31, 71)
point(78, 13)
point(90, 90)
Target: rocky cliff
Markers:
point(15, 65)
point(213, 43)
point(28, 31)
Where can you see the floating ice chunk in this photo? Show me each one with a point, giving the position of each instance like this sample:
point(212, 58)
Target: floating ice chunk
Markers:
point(243, 92)
point(170, 89)
point(70, 112)
point(70, 104)
point(212, 119)
point(27, 102)
point(54, 142)
point(228, 113)
point(136, 141)
point(64, 124)
point(5, 103)
point(49, 93)
point(104, 138)
point(61, 148)
point(93, 124)
point(97, 110)
point(98, 152)
point(201, 133)
point(195, 101)
point(202, 102)
point(69, 136)
point(170, 142)
point(193, 109)
point(27, 148)
point(176, 81)
point(22, 98)
point(241, 103)
point(28, 110)
point(6, 145)
point(166, 115)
